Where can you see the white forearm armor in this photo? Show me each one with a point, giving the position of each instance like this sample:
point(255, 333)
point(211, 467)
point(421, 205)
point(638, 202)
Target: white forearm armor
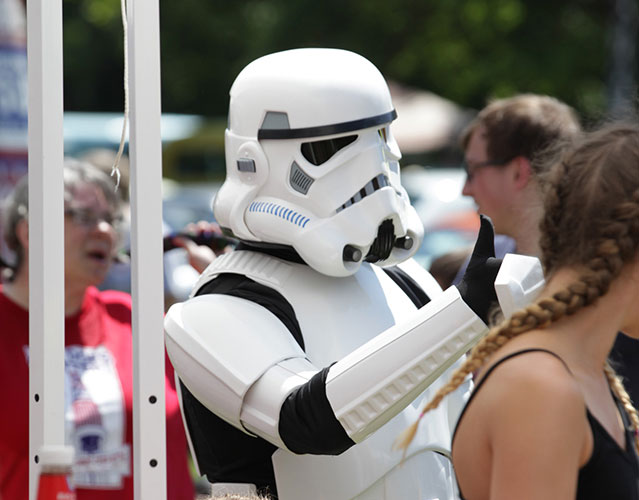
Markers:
point(373, 383)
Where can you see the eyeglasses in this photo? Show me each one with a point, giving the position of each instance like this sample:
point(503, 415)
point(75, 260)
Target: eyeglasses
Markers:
point(89, 219)
point(471, 168)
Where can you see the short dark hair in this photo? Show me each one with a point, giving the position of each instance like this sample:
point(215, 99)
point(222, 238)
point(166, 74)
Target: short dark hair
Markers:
point(524, 125)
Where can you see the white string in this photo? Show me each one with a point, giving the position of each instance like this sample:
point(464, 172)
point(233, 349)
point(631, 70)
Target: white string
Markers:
point(115, 170)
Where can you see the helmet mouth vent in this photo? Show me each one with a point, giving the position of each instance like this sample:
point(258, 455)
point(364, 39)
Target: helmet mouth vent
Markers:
point(383, 244)
point(371, 186)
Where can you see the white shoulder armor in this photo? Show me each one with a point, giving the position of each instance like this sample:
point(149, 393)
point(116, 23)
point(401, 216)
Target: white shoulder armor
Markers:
point(220, 363)
point(519, 281)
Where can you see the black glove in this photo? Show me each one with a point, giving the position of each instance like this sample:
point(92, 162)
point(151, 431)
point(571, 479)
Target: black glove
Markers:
point(477, 286)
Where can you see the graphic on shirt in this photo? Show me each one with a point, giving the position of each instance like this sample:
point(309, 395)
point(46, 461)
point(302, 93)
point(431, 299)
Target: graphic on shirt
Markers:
point(88, 426)
point(95, 418)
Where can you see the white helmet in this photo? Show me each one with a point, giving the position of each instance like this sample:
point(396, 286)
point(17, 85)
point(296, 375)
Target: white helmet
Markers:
point(311, 163)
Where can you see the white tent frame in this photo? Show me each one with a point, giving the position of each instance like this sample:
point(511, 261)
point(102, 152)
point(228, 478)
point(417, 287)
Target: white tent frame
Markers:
point(46, 246)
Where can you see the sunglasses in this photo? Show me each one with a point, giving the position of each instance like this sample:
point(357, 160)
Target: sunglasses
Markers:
point(471, 167)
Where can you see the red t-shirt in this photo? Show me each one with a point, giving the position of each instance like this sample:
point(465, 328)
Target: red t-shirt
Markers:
point(98, 402)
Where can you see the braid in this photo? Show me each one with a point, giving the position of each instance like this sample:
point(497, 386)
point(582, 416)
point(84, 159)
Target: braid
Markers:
point(620, 392)
point(624, 226)
point(550, 225)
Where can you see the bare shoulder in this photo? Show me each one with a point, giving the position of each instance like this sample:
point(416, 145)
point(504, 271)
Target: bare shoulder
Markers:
point(532, 369)
point(533, 400)
point(532, 379)
point(527, 421)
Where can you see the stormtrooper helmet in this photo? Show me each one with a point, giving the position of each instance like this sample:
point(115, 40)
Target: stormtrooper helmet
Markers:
point(312, 164)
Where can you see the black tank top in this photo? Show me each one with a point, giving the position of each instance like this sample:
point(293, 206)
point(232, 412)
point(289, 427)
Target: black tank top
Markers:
point(611, 472)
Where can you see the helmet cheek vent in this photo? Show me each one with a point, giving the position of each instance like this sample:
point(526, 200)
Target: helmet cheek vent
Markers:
point(299, 180)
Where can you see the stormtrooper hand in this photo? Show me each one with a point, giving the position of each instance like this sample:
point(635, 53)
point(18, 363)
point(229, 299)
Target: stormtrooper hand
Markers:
point(477, 287)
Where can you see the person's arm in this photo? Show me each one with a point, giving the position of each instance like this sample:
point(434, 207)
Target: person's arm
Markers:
point(203, 241)
point(536, 428)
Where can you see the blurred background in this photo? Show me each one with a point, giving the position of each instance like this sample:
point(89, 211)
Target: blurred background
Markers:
point(443, 59)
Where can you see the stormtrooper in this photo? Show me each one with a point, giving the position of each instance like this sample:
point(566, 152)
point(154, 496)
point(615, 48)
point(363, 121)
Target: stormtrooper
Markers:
point(304, 353)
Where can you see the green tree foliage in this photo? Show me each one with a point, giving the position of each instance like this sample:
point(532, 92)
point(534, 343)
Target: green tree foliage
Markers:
point(465, 50)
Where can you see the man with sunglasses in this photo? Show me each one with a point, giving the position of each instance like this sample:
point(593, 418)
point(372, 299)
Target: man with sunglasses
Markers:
point(503, 159)
point(501, 145)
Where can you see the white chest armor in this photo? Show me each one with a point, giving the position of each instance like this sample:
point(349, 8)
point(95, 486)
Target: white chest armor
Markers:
point(336, 316)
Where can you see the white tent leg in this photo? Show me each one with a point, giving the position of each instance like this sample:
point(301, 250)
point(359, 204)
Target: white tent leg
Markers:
point(46, 230)
point(149, 444)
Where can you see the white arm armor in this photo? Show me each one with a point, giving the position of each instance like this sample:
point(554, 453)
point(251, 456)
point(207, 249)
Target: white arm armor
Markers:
point(245, 378)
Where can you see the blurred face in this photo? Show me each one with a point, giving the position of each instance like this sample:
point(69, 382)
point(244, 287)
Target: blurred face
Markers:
point(90, 237)
point(488, 183)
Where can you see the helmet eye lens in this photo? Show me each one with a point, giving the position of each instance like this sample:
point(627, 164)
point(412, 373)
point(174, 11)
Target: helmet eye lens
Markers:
point(318, 152)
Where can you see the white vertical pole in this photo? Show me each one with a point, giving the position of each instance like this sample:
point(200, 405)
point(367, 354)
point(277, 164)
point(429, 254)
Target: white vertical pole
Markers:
point(46, 230)
point(147, 287)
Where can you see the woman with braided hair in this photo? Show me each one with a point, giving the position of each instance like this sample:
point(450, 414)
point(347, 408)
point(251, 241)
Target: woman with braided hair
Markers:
point(548, 417)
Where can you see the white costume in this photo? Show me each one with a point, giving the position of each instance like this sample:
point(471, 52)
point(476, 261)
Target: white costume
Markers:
point(300, 361)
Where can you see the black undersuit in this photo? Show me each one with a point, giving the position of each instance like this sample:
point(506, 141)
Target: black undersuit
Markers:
point(611, 472)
